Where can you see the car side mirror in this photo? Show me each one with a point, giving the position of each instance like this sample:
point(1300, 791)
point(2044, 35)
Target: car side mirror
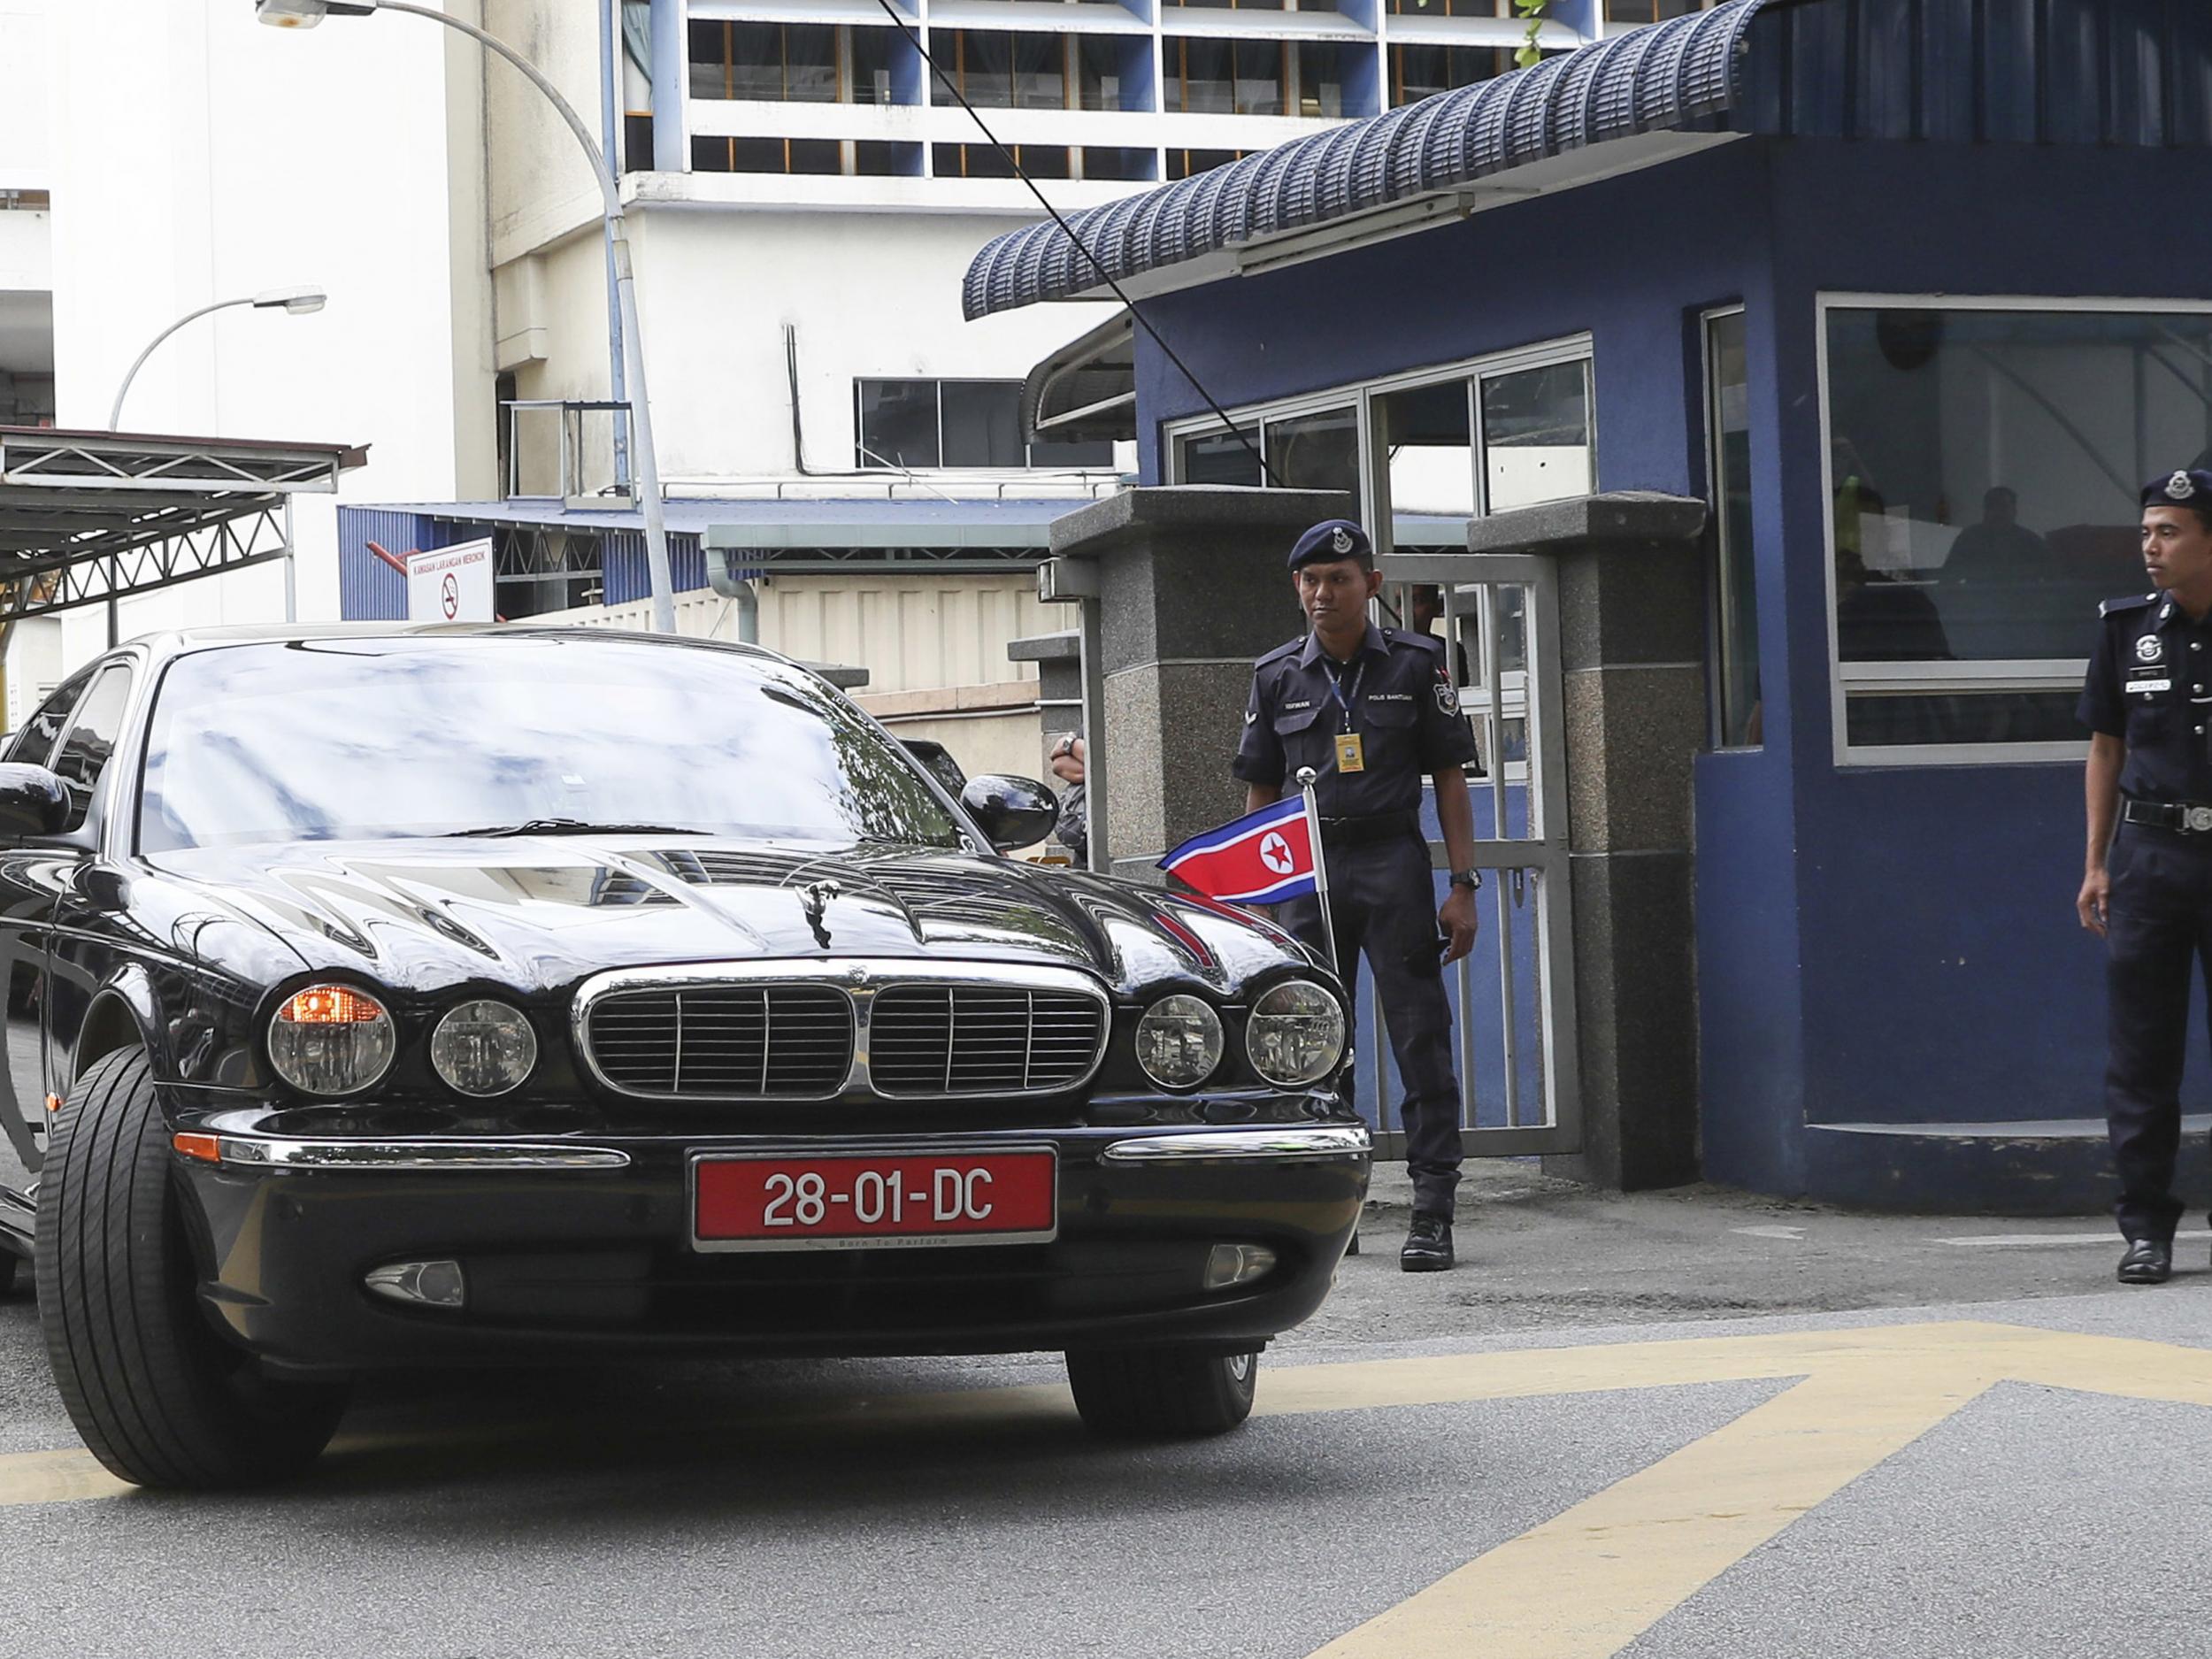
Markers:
point(33, 801)
point(1012, 811)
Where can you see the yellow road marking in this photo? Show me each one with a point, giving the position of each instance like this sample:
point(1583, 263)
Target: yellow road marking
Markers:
point(55, 1477)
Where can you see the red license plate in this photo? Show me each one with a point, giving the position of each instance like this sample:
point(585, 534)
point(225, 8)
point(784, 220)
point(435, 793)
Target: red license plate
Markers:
point(775, 1201)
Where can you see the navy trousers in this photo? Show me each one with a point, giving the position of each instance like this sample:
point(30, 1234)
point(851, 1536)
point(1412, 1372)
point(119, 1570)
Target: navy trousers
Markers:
point(2159, 927)
point(1382, 900)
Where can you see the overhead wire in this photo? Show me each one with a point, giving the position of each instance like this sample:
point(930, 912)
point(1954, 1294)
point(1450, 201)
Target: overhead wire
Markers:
point(914, 39)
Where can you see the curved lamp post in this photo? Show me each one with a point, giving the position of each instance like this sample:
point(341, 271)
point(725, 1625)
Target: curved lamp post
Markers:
point(294, 301)
point(305, 14)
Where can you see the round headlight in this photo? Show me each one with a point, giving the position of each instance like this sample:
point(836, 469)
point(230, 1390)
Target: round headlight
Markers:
point(1178, 1042)
point(1295, 1035)
point(331, 1039)
point(483, 1047)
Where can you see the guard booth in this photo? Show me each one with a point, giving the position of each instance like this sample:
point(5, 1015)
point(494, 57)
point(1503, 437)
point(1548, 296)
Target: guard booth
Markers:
point(1864, 279)
point(92, 517)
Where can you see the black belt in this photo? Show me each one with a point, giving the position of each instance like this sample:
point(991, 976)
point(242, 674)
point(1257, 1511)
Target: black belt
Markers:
point(1376, 827)
point(2187, 816)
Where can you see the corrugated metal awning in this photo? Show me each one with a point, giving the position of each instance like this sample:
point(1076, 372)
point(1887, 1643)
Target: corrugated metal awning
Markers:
point(1669, 78)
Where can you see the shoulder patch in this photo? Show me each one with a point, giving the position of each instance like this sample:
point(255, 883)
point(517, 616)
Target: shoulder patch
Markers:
point(1278, 653)
point(2131, 602)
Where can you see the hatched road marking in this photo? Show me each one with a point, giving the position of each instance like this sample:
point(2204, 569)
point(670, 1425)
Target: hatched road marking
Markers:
point(1634, 1551)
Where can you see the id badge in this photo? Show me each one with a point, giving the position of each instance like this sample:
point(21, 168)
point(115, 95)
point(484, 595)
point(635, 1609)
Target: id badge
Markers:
point(1350, 755)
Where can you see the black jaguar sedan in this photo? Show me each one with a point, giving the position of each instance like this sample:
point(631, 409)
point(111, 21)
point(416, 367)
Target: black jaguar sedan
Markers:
point(384, 997)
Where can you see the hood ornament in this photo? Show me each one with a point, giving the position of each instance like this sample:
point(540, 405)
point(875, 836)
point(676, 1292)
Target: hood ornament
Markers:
point(816, 897)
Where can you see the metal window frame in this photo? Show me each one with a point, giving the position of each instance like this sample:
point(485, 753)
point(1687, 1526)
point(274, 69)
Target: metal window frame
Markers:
point(1375, 502)
point(1993, 678)
point(1720, 612)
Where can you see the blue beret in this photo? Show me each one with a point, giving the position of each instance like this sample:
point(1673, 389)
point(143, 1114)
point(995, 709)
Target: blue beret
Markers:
point(2190, 488)
point(1341, 539)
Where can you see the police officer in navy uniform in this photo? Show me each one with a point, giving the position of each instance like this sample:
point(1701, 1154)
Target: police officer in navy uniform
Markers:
point(2148, 887)
point(1372, 712)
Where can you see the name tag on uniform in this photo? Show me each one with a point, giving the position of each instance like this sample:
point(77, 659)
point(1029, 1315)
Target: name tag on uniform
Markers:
point(1350, 755)
point(2150, 685)
point(2150, 677)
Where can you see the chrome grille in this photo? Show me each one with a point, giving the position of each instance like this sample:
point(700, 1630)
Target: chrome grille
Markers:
point(726, 1041)
point(979, 1038)
point(788, 1030)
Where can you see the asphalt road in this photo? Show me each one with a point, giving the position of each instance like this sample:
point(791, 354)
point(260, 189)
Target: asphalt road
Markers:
point(1669, 1425)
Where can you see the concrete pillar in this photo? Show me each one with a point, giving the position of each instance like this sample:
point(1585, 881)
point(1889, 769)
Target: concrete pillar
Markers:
point(1192, 587)
point(1059, 659)
point(1632, 623)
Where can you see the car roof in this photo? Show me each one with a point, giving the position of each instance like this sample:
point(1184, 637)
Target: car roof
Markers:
point(177, 641)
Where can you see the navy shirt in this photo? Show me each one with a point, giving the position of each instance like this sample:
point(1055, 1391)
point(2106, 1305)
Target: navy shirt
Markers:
point(2150, 684)
point(1395, 692)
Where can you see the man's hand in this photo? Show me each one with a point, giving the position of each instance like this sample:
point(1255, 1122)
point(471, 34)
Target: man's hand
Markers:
point(2096, 894)
point(1458, 918)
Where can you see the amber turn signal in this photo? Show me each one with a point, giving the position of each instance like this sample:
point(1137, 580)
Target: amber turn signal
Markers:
point(331, 1005)
point(207, 1148)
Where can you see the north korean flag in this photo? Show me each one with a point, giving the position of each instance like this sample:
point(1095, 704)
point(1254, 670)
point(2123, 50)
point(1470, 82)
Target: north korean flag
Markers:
point(1262, 858)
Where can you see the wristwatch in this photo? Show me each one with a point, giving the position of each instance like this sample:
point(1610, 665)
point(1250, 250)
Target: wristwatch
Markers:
point(1471, 879)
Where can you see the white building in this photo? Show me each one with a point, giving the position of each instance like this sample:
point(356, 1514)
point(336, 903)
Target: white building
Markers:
point(804, 199)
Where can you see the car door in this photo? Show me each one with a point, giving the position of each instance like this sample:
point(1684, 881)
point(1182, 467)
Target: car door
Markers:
point(28, 893)
point(82, 942)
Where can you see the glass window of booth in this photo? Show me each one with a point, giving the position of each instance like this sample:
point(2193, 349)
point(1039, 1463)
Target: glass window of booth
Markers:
point(1983, 468)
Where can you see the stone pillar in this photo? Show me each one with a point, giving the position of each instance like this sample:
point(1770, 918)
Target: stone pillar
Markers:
point(1192, 587)
point(1631, 623)
point(1059, 659)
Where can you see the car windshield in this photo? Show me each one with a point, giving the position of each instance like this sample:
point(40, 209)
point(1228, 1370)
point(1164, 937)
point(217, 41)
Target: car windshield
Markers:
point(346, 740)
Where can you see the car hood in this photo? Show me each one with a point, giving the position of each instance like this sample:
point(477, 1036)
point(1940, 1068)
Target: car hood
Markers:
point(538, 914)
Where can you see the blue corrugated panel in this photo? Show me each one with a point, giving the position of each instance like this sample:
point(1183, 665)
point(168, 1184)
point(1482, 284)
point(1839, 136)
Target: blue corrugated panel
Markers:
point(622, 571)
point(2079, 73)
point(370, 590)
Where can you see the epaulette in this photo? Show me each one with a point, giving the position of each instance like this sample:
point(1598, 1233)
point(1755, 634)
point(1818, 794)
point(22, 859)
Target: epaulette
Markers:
point(1279, 652)
point(2130, 602)
point(1428, 643)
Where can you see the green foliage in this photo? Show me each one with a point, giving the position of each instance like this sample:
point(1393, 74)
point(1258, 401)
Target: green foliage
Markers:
point(1533, 12)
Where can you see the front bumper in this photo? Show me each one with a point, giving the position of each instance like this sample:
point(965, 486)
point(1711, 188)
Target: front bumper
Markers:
point(582, 1250)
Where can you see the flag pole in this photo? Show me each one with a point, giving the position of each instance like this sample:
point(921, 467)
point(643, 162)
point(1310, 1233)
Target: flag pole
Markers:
point(1306, 776)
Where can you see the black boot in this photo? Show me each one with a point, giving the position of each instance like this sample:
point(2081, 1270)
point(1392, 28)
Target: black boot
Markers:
point(1428, 1246)
point(2147, 1262)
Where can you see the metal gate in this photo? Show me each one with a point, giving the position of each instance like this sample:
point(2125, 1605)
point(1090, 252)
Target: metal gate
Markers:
point(1514, 996)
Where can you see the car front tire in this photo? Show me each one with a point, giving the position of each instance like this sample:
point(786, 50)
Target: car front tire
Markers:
point(160, 1398)
point(1159, 1393)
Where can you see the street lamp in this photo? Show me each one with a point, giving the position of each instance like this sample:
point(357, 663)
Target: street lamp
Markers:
point(305, 14)
point(293, 302)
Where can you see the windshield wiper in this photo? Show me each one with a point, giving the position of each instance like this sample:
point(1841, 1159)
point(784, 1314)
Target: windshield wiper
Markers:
point(570, 826)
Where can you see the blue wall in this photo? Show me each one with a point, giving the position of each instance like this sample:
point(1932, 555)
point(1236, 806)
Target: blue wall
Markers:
point(1873, 945)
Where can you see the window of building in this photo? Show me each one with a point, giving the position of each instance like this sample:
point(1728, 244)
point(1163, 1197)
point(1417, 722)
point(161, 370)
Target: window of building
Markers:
point(986, 161)
point(1652, 11)
point(1737, 710)
point(1239, 5)
point(917, 424)
point(1983, 460)
point(1117, 163)
point(1422, 71)
point(1181, 164)
point(794, 63)
point(1225, 77)
point(768, 155)
point(1450, 8)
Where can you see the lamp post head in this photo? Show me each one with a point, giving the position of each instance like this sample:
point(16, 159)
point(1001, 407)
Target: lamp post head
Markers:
point(297, 302)
point(305, 14)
